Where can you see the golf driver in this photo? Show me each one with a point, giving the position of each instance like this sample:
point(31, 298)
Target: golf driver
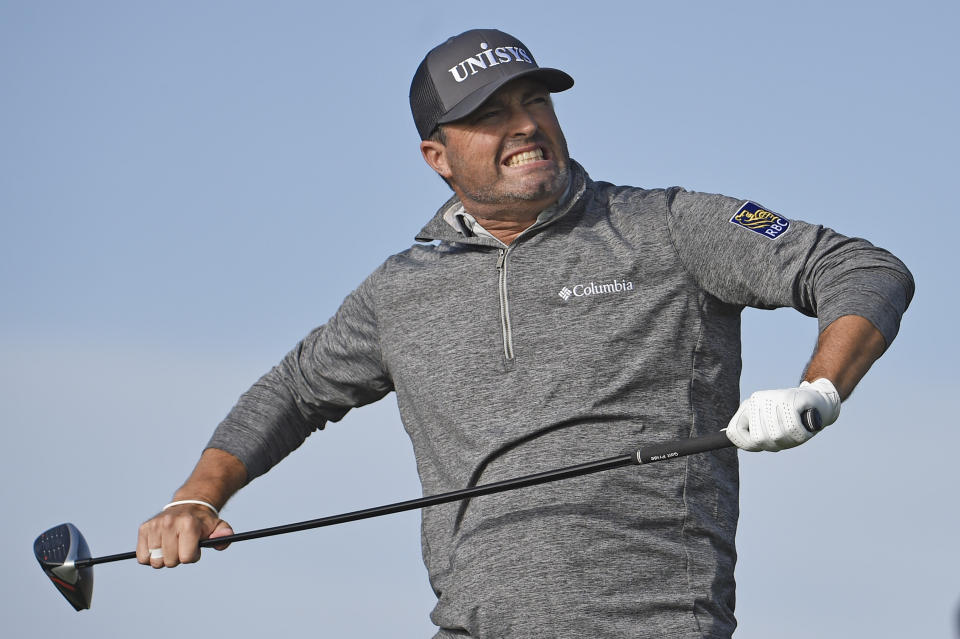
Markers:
point(65, 557)
point(58, 551)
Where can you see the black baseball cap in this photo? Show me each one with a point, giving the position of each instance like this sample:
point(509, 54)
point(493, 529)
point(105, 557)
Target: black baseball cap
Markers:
point(457, 76)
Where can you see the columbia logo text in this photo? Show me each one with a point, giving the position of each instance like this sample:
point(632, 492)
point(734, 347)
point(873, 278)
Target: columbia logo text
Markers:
point(486, 58)
point(586, 290)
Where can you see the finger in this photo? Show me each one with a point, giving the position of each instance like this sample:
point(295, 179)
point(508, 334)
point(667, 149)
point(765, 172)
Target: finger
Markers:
point(787, 436)
point(792, 415)
point(188, 540)
point(761, 429)
point(143, 552)
point(222, 530)
point(188, 549)
point(171, 551)
point(181, 540)
point(738, 430)
point(810, 399)
point(167, 541)
point(155, 553)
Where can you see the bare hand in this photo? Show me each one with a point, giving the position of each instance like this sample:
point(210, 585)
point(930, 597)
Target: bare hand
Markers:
point(173, 536)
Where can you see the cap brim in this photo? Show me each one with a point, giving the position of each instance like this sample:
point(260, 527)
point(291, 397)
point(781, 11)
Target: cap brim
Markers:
point(554, 79)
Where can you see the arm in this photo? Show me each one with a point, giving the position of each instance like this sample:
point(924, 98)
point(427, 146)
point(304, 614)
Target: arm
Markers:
point(857, 291)
point(178, 531)
point(811, 268)
point(771, 420)
point(336, 367)
point(845, 351)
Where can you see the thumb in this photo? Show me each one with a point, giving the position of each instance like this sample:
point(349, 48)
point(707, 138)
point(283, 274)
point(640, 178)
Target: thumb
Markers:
point(738, 429)
point(222, 530)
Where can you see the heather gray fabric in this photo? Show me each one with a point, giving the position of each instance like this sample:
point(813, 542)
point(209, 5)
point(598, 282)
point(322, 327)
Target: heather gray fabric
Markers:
point(614, 324)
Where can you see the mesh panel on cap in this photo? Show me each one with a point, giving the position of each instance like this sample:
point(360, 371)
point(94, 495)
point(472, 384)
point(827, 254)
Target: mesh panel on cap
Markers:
point(425, 102)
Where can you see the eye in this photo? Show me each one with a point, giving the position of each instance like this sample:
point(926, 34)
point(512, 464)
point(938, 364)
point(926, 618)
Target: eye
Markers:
point(485, 116)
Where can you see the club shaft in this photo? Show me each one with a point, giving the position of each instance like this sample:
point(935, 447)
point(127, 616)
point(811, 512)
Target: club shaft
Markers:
point(654, 453)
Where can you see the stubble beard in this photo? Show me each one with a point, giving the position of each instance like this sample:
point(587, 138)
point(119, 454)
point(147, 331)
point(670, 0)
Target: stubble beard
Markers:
point(499, 194)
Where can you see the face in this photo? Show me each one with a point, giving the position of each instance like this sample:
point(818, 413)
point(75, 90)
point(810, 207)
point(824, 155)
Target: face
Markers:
point(508, 155)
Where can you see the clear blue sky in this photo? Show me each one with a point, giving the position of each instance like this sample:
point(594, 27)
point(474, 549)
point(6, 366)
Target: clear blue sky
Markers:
point(186, 188)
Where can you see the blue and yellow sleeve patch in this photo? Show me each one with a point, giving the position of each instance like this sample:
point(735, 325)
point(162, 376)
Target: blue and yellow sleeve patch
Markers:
point(759, 220)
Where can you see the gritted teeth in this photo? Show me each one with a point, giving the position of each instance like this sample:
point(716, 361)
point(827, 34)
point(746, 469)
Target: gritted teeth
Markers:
point(525, 157)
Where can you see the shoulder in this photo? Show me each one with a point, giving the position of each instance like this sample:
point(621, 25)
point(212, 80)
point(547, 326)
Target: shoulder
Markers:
point(665, 205)
point(627, 199)
point(415, 263)
point(424, 254)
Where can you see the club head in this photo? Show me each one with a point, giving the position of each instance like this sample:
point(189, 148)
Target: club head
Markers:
point(57, 550)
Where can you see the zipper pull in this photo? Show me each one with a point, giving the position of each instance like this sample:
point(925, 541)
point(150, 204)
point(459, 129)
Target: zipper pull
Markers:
point(503, 255)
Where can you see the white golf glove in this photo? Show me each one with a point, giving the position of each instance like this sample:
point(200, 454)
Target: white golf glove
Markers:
point(772, 420)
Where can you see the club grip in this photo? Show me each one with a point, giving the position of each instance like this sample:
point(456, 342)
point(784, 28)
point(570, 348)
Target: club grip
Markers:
point(683, 447)
point(812, 420)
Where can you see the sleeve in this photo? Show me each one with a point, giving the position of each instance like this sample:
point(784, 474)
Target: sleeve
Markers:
point(745, 254)
point(336, 367)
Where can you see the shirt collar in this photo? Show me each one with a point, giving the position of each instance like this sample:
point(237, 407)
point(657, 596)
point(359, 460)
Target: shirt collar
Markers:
point(462, 222)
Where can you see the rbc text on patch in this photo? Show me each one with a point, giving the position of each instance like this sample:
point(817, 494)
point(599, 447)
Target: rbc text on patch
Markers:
point(759, 220)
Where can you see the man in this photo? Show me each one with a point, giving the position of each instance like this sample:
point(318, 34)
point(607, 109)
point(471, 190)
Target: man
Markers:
point(546, 320)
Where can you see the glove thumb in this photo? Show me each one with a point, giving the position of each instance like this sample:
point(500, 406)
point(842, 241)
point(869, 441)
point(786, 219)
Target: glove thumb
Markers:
point(821, 395)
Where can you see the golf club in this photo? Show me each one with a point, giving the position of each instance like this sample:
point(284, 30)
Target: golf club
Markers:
point(58, 551)
point(65, 557)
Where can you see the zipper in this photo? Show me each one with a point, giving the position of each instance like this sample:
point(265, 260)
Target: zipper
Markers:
point(504, 305)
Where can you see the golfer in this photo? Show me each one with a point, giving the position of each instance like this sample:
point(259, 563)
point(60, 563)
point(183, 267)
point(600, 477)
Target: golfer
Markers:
point(546, 319)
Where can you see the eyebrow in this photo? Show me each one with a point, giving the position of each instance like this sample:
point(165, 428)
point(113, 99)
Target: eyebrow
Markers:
point(498, 101)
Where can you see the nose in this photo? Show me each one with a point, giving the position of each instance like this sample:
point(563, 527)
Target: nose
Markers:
point(522, 122)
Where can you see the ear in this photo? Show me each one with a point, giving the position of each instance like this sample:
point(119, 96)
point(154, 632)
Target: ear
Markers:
point(435, 154)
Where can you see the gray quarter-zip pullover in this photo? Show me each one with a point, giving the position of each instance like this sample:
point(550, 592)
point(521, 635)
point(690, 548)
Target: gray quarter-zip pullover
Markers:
point(611, 324)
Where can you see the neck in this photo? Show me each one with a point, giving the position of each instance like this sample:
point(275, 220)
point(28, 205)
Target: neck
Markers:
point(506, 224)
point(505, 230)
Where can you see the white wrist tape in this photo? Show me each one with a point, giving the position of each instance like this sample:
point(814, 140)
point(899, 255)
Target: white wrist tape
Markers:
point(216, 513)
